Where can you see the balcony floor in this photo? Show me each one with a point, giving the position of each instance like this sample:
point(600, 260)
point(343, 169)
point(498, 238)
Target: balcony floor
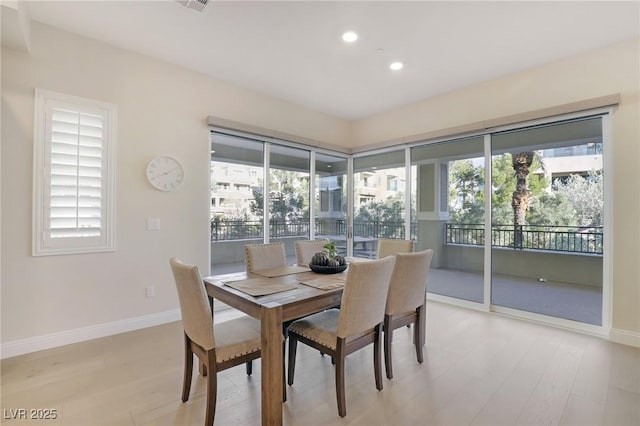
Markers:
point(575, 302)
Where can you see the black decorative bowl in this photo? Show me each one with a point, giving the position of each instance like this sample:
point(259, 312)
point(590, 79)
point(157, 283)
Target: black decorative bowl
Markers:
point(327, 269)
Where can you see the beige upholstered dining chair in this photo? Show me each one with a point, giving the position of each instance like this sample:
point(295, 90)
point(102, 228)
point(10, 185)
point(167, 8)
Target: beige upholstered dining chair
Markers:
point(264, 256)
point(406, 301)
point(339, 332)
point(267, 256)
point(389, 247)
point(305, 249)
point(233, 343)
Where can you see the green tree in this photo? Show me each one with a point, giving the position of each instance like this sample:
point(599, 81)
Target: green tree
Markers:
point(586, 195)
point(466, 192)
point(388, 216)
point(504, 184)
point(521, 197)
point(552, 209)
point(288, 195)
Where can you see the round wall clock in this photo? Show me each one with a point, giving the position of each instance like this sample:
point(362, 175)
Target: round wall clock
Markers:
point(165, 173)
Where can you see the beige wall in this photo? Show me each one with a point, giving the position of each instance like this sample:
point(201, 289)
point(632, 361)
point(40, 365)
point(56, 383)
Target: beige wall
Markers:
point(602, 72)
point(162, 109)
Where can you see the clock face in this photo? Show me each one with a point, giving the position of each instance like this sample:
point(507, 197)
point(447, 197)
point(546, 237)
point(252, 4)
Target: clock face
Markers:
point(165, 173)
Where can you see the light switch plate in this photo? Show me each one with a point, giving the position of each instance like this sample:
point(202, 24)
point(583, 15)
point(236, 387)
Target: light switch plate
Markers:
point(153, 224)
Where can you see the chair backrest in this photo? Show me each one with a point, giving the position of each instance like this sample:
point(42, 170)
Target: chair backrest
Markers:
point(389, 247)
point(364, 296)
point(194, 304)
point(408, 282)
point(264, 256)
point(305, 249)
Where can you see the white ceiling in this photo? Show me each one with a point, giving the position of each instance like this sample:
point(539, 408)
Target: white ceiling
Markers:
point(293, 50)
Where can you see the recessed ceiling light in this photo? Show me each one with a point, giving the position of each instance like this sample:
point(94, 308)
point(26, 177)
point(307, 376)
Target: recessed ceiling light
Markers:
point(396, 66)
point(349, 36)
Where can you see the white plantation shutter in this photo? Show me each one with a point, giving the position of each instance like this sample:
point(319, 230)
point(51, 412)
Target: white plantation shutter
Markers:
point(73, 182)
point(76, 175)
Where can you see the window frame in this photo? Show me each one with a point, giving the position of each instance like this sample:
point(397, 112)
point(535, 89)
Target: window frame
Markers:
point(43, 245)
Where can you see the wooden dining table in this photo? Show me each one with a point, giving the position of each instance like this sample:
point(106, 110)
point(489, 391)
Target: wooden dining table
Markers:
point(272, 310)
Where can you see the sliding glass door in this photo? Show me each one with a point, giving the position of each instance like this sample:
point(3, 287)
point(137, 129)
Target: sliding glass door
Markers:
point(548, 220)
point(288, 197)
point(379, 190)
point(450, 198)
point(331, 200)
point(236, 199)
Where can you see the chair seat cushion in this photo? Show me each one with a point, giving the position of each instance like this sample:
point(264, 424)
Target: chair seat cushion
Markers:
point(321, 327)
point(236, 337)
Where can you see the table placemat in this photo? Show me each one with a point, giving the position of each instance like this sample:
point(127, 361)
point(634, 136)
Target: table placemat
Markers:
point(259, 286)
point(328, 282)
point(282, 270)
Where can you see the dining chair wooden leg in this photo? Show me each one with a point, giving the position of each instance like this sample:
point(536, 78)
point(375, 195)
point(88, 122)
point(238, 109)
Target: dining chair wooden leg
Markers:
point(284, 379)
point(292, 359)
point(377, 365)
point(202, 367)
point(249, 367)
point(388, 339)
point(188, 368)
point(340, 358)
point(212, 388)
point(419, 331)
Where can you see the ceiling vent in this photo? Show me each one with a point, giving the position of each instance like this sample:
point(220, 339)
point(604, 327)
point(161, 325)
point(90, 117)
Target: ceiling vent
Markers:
point(197, 5)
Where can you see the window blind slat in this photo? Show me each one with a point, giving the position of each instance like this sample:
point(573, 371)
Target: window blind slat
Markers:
point(65, 127)
point(89, 151)
point(73, 181)
point(91, 141)
point(63, 211)
point(90, 131)
point(64, 116)
point(75, 233)
point(70, 223)
point(90, 162)
point(71, 200)
point(64, 143)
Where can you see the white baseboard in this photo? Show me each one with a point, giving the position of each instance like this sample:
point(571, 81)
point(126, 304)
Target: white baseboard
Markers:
point(48, 341)
point(625, 337)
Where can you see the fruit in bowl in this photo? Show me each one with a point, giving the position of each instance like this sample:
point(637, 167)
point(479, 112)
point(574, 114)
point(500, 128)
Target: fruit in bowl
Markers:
point(328, 262)
point(320, 259)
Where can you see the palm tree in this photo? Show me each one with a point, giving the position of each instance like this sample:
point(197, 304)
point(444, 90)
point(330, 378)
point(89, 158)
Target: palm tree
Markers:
point(521, 198)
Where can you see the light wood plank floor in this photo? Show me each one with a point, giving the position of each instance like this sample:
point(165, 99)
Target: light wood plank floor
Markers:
point(479, 369)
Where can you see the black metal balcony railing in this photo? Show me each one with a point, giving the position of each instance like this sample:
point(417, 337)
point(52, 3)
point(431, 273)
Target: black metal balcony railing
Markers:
point(223, 230)
point(378, 229)
point(529, 237)
point(253, 229)
point(571, 239)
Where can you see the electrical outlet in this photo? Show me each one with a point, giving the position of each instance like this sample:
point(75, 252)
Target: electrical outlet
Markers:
point(151, 291)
